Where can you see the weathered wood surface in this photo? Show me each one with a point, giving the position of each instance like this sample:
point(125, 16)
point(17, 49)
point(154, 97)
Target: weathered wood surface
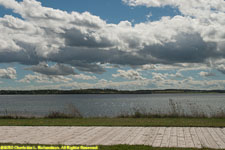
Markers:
point(154, 136)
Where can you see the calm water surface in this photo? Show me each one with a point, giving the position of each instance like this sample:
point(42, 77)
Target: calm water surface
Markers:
point(109, 105)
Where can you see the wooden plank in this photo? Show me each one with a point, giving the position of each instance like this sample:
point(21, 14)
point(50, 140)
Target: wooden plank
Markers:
point(212, 143)
point(28, 135)
point(5, 131)
point(73, 132)
point(141, 138)
point(151, 136)
point(216, 138)
point(180, 137)
point(48, 137)
point(159, 136)
point(220, 133)
point(10, 132)
point(97, 140)
point(79, 135)
point(148, 132)
point(87, 136)
point(201, 137)
point(41, 134)
point(173, 138)
point(31, 138)
point(188, 139)
point(166, 138)
point(111, 136)
point(223, 129)
point(137, 136)
point(37, 135)
point(63, 135)
point(124, 133)
point(15, 134)
point(195, 138)
point(132, 134)
point(127, 136)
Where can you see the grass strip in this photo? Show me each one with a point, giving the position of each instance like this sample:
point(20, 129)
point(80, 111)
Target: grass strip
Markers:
point(142, 122)
point(114, 147)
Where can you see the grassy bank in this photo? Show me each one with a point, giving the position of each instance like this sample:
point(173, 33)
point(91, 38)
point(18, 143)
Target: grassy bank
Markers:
point(119, 147)
point(127, 147)
point(146, 122)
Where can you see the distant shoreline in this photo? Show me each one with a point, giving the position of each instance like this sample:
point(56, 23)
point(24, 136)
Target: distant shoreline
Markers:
point(105, 91)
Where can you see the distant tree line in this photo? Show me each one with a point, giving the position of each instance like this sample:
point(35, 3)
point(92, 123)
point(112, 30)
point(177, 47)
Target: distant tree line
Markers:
point(104, 91)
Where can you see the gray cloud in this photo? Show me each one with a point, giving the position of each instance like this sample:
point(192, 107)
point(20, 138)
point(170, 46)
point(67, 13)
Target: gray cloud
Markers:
point(57, 69)
point(221, 68)
point(188, 48)
point(75, 38)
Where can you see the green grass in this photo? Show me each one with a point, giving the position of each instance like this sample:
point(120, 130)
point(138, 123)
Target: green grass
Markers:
point(117, 147)
point(167, 122)
point(140, 147)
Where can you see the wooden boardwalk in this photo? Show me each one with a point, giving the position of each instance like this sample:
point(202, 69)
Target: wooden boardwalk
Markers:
point(153, 136)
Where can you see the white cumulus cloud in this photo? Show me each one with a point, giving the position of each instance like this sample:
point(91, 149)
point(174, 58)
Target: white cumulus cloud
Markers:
point(8, 73)
point(206, 74)
point(129, 74)
point(84, 41)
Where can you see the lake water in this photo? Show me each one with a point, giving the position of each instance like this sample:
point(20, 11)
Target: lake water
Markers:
point(96, 105)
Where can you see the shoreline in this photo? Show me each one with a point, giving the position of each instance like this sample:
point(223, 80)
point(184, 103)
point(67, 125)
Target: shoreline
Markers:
point(108, 91)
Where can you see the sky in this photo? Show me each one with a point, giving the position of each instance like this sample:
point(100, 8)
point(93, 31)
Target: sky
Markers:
point(116, 44)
